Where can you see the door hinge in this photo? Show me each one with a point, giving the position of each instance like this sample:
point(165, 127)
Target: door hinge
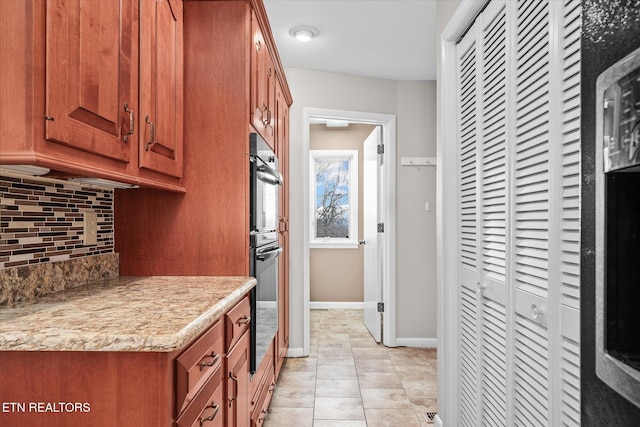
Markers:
point(380, 307)
point(381, 227)
point(381, 149)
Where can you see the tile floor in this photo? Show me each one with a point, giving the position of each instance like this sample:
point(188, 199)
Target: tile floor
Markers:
point(350, 380)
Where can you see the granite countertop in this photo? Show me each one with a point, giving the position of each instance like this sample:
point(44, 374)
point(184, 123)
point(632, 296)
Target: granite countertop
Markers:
point(158, 313)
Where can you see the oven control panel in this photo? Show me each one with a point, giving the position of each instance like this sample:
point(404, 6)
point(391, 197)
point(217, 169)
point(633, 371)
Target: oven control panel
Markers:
point(621, 122)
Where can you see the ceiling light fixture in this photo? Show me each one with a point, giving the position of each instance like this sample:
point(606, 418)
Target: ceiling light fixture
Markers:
point(304, 33)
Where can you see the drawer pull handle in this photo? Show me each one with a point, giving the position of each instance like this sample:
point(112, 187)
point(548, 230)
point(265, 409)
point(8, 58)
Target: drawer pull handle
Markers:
point(215, 408)
point(214, 358)
point(243, 320)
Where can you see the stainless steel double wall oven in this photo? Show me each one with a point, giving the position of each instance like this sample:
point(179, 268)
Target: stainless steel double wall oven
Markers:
point(263, 246)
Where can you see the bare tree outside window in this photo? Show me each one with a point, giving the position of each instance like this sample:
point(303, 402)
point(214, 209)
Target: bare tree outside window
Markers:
point(332, 207)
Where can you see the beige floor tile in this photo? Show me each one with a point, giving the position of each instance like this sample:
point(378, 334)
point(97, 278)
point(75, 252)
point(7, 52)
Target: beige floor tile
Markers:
point(386, 386)
point(299, 417)
point(385, 399)
point(400, 359)
point(379, 380)
point(426, 373)
point(378, 352)
point(391, 418)
point(301, 364)
point(374, 366)
point(338, 408)
point(336, 359)
point(336, 372)
point(363, 342)
point(420, 389)
point(337, 388)
point(297, 379)
point(293, 397)
point(339, 423)
point(328, 337)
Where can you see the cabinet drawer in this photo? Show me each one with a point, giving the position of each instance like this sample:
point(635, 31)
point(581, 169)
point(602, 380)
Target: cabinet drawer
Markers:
point(206, 409)
point(197, 363)
point(266, 392)
point(238, 320)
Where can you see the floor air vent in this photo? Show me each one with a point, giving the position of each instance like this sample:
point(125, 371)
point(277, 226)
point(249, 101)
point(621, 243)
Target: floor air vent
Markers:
point(430, 416)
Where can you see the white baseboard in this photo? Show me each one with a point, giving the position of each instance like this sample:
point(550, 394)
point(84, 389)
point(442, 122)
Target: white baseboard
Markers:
point(295, 352)
point(326, 305)
point(417, 342)
point(437, 422)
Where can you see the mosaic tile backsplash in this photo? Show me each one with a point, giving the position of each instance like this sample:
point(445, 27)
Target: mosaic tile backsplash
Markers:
point(41, 220)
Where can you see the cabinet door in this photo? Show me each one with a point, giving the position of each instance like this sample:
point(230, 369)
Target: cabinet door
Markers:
point(282, 152)
point(263, 81)
point(161, 86)
point(91, 75)
point(238, 384)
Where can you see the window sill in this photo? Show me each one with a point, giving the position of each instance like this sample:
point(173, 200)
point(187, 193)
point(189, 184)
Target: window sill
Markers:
point(333, 245)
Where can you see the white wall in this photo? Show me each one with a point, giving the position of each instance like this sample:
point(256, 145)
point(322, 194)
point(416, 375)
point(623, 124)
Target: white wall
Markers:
point(416, 228)
point(414, 105)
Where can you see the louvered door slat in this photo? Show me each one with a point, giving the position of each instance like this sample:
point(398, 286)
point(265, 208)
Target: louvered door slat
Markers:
point(532, 139)
point(531, 384)
point(468, 355)
point(493, 117)
point(570, 268)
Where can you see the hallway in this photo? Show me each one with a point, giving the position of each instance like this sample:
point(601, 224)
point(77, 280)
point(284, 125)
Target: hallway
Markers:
point(350, 380)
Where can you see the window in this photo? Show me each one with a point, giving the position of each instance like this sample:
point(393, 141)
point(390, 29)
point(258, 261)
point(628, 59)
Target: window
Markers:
point(334, 198)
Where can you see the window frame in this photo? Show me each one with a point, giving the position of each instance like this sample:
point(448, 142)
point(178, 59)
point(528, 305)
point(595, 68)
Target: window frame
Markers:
point(334, 242)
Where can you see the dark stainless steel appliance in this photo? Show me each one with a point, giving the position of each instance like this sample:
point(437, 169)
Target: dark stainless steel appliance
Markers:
point(618, 227)
point(263, 246)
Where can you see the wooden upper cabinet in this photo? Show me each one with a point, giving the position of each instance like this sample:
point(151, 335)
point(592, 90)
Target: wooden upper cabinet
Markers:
point(161, 86)
point(94, 88)
point(91, 76)
point(263, 83)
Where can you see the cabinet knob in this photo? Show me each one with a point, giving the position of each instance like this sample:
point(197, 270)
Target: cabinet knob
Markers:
point(537, 312)
point(481, 288)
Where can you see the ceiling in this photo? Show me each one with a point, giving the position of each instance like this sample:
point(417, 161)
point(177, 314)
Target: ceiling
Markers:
point(388, 39)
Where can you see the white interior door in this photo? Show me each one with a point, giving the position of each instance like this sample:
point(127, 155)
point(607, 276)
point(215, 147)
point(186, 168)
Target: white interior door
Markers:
point(373, 255)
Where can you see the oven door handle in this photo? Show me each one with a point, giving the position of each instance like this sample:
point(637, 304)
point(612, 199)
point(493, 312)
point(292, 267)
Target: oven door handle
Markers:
point(266, 255)
point(268, 174)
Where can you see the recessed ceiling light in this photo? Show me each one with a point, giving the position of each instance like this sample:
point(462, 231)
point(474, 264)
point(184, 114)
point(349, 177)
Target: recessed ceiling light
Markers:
point(304, 33)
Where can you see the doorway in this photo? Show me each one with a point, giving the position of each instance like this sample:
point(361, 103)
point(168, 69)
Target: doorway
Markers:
point(385, 242)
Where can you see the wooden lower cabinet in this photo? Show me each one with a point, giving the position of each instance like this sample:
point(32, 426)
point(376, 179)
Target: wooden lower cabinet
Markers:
point(238, 383)
point(204, 384)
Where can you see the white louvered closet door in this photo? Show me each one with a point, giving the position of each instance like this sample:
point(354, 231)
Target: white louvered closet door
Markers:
point(519, 173)
point(569, 369)
point(532, 200)
point(492, 192)
point(483, 220)
point(468, 235)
